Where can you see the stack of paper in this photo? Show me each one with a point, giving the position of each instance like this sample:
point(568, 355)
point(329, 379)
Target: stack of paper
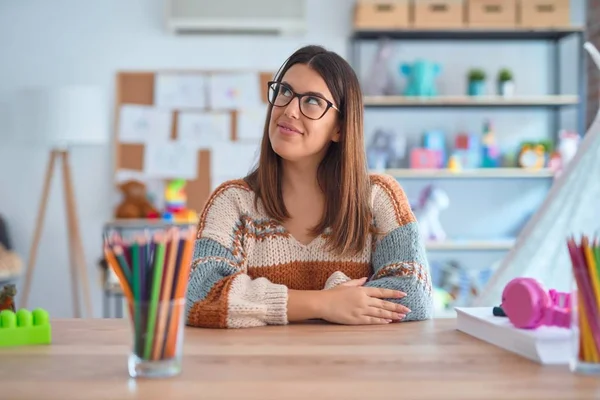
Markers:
point(545, 345)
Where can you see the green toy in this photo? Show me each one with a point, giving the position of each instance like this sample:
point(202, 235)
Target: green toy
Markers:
point(24, 327)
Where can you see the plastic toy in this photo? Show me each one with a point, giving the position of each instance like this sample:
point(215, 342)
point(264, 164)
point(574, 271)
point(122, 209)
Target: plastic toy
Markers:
point(381, 80)
point(25, 327)
point(491, 152)
point(176, 203)
point(432, 201)
point(7, 297)
point(421, 78)
point(567, 148)
point(528, 305)
point(385, 150)
point(436, 141)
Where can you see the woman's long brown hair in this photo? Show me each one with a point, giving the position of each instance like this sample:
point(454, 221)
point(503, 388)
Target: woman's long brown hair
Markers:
point(342, 175)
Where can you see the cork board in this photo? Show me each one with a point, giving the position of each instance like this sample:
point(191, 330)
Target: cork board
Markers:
point(138, 88)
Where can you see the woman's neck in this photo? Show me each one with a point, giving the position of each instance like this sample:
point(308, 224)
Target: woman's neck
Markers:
point(300, 178)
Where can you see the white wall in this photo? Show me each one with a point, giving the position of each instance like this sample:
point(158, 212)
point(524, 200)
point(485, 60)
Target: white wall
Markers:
point(87, 42)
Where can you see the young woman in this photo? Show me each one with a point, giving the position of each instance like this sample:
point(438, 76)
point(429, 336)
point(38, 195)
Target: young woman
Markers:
point(309, 234)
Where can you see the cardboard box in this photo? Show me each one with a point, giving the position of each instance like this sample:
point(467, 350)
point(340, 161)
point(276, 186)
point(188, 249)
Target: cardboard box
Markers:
point(544, 13)
point(439, 14)
point(492, 13)
point(381, 14)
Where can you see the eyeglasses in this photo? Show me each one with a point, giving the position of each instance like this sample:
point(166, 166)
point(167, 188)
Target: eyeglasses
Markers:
point(312, 106)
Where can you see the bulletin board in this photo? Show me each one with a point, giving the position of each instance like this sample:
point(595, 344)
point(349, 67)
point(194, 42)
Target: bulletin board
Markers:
point(137, 88)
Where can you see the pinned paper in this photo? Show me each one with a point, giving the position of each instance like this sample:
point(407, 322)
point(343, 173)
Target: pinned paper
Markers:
point(170, 159)
point(202, 130)
point(232, 91)
point(179, 90)
point(141, 124)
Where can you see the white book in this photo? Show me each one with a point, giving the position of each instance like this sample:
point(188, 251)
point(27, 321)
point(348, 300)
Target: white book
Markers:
point(545, 345)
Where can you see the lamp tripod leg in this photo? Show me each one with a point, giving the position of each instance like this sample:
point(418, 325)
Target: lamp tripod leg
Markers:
point(39, 224)
point(76, 252)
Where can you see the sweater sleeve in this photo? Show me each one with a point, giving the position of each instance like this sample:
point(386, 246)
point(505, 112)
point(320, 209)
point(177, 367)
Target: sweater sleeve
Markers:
point(399, 260)
point(220, 292)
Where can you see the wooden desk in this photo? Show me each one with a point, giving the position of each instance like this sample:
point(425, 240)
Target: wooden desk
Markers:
point(422, 360)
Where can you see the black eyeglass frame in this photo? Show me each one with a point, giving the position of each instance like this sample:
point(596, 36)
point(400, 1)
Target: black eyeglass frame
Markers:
point(299, 96)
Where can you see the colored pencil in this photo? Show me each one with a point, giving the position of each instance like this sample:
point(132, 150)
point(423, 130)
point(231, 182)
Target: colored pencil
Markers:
point(153, 272)
point(585, 260)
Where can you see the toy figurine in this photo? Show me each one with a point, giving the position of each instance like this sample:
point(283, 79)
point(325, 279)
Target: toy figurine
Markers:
point(176, 203)
point(433, 200)
point(421, 76)
point(7, 297)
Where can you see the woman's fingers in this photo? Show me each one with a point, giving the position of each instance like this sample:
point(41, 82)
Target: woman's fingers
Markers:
point(384, 293)
point(385, 314)
point(354, 282)
point(388, 305)
point(374, 321)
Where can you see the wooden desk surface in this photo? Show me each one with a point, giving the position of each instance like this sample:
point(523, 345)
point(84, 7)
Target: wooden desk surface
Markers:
point(419, 360)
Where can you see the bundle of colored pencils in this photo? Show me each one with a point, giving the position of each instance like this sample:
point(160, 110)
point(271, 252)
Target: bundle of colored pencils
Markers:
point(585, 260)
point(153, 273)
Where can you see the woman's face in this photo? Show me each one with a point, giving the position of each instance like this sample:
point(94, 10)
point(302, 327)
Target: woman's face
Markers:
point(293, 135)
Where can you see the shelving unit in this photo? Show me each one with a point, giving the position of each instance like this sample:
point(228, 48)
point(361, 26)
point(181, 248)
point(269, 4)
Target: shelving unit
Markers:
point(554, 102)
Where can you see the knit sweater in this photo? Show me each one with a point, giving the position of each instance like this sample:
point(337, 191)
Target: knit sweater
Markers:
point(244, 262)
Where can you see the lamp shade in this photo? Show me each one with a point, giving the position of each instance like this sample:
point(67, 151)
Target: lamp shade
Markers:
point(64, 116)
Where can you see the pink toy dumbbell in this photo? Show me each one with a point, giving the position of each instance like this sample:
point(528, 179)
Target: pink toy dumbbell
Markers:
point(528, 305)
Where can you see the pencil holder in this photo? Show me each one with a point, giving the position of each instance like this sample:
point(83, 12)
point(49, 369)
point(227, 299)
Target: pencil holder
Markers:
point(158, 330)
point(585, 307)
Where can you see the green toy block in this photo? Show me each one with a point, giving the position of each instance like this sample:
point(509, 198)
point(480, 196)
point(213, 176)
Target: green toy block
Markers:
point(24, 327)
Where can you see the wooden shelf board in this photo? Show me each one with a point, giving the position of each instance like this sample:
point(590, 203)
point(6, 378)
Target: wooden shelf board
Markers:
point(470, 33)
point(471, 101)
point(479, 173)
point(481, 245)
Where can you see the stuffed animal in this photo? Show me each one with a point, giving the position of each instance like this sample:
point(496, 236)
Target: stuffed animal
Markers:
point(421, 78)
point(7, 297)
point(135, 203)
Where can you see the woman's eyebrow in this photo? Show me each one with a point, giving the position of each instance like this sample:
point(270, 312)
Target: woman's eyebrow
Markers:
point(308, 93)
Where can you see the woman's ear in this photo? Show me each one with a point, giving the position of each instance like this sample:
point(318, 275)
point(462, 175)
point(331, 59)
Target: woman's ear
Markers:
point(336, 135)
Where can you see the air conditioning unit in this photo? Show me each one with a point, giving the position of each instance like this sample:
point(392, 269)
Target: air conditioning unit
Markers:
point(272, 17)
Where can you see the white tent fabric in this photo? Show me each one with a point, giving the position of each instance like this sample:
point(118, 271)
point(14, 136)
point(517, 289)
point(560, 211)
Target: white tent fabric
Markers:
point(572, 207)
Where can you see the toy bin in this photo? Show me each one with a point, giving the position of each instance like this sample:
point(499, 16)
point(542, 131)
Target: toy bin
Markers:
point(492, 13)
point(544, 13)
point(438, 14)
point(380, 14)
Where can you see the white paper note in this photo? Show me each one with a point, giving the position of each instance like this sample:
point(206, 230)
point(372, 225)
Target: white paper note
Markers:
point(170, 159)
point(140, 124)
point(202, 130)
point(179, 90)
point(251, 123)
point(230, 91)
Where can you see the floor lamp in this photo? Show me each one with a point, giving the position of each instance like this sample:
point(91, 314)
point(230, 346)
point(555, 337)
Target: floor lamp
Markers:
point(62, 118)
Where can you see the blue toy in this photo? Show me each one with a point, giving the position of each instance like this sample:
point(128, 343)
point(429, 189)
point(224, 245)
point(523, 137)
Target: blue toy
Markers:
point(421, 78)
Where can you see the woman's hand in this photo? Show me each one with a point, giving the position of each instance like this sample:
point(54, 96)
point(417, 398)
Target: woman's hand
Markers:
point(352, 304)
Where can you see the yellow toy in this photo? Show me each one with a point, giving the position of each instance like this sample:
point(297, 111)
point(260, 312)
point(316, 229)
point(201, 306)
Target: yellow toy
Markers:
point(176, 203)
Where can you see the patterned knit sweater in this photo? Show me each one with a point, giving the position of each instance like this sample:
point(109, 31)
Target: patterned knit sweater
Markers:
point(244, 262)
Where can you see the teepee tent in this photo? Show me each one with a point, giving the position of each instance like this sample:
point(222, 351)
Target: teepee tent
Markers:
point(572, 207)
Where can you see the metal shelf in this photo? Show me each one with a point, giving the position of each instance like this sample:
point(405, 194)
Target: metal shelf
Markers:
point(470, 245)
point(549, 101)
point(478, 173)
point(469, 34)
